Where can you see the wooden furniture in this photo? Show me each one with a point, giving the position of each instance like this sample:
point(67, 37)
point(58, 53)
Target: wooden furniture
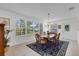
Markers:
point(44, 40)
point(1, 39)
point(40, 40)
point(55, 39)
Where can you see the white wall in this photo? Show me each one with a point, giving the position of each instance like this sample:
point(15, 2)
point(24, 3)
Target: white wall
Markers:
point(78, 30)
point(13, 17)
point(73, 23)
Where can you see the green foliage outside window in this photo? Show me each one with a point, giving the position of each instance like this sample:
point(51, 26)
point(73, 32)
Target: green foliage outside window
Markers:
point(20, 27)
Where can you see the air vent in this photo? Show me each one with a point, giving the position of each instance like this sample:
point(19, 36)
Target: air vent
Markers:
point(71, 8)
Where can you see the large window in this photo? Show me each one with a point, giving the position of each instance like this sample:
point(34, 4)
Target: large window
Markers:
point(33, 27)
point(20, 27)
point(29, 27)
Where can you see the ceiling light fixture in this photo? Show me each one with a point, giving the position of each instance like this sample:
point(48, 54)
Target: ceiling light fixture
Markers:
point(48, 21)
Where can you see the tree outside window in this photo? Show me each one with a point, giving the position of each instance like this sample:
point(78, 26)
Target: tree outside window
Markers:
point(20, 27)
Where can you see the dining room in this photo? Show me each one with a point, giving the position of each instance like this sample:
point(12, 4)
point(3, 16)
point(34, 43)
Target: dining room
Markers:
point(41, 30)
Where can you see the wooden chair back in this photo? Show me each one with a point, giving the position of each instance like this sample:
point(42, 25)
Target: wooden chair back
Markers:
point(37, 37)
point(58, 36)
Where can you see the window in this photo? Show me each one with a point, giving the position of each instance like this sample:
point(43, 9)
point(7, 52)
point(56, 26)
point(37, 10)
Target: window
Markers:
point(20, 27)
point(29, 27)
point(33, 27)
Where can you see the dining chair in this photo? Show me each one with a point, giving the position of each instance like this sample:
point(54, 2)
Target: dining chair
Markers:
point(40, 40)
point(55, 40)
point(37, 37)
point(58, 36)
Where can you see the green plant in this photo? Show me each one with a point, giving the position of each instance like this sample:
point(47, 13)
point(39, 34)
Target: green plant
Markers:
point(6, 38)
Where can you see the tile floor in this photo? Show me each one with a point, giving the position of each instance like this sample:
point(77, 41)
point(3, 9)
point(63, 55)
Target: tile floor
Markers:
point(23, 50)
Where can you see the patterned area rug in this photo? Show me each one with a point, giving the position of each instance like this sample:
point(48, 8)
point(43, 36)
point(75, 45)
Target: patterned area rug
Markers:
point(49, 50)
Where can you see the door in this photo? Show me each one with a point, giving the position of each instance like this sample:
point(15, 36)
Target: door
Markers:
point(1, 39)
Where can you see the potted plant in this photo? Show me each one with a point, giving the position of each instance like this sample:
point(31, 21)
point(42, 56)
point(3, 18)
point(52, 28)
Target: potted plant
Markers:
point(6, 39)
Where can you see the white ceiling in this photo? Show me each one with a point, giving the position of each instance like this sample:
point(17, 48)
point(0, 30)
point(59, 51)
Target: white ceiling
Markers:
point(41, 10)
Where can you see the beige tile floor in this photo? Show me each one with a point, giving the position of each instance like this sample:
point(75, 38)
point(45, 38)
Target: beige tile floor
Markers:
point(73, 49)
point(20, 50)
point(23, 50)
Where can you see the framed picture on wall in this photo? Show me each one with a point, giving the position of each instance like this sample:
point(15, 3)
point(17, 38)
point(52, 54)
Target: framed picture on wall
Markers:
point(67, 28)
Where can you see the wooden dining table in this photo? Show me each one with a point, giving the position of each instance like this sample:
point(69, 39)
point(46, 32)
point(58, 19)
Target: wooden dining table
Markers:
point(51, 38)
point(48, 37)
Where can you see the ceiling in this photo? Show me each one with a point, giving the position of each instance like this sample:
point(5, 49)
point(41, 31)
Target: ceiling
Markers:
point(40, 10)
